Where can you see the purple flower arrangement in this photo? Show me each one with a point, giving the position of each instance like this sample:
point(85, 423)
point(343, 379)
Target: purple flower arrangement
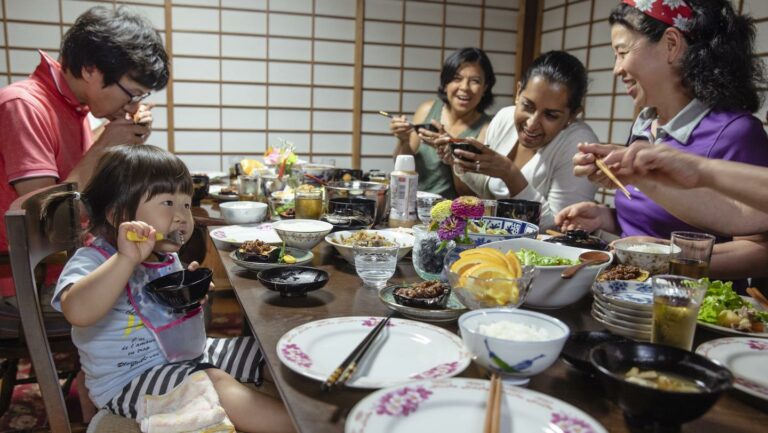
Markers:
point(450, 219)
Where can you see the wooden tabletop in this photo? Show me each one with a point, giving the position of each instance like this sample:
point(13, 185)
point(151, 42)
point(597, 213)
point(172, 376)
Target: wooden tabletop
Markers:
point(271, 316)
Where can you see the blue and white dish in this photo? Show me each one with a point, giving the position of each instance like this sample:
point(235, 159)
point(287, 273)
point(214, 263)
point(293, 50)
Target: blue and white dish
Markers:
point(633, 294)
point(515, 228)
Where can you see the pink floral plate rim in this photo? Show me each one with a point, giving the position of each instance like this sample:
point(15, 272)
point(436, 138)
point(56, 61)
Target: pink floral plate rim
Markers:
point(745, 357)
point(458, 404)
point(406, 351)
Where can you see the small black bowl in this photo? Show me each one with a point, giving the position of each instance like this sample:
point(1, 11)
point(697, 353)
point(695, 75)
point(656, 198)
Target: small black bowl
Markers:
point(428, 126)
point(465, 146)
point(578, 345)
point(650, 408)
point(525, 210)
point(579, 239)
point(293, 281)
point(181, 290)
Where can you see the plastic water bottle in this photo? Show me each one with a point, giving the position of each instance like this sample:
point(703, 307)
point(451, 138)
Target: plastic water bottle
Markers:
point(403, 184)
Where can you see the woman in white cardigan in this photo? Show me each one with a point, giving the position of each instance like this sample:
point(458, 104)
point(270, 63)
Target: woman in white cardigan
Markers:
point(530, 144)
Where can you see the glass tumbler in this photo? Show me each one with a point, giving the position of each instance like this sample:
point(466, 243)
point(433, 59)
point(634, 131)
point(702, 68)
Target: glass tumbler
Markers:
point(676, 302)
point(375, 262)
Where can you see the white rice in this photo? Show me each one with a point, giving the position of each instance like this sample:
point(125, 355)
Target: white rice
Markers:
point(649, 248)
point(508, 330)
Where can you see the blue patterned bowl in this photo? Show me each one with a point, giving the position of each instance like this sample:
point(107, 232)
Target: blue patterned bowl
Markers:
point(513, 357)
point(637, 295)
point(515, 228)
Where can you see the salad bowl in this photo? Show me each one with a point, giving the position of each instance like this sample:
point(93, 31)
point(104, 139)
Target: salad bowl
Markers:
point(549, 290)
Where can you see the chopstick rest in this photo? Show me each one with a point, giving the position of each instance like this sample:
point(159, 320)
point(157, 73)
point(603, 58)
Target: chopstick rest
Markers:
point(350, 363)
point(493, 407)
point(604, 168)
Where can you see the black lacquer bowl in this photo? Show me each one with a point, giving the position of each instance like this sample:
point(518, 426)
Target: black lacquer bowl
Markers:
point(655, 409)
point(579, 344)
point(181, 290)
point(293, 281)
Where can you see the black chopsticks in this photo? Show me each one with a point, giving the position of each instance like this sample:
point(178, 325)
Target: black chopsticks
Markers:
point(345, 370)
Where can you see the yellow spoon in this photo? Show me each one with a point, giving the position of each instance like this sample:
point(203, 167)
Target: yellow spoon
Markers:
point(135, 237)
point(174, 236)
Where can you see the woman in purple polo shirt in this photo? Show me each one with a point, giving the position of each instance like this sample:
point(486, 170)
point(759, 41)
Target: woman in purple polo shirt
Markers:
point(692, 66)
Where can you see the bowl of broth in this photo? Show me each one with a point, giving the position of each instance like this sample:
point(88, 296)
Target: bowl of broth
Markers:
point(658, 387)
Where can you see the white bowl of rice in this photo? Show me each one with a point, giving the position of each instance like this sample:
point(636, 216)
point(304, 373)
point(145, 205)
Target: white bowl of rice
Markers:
point(513, 342)
point(649, 256)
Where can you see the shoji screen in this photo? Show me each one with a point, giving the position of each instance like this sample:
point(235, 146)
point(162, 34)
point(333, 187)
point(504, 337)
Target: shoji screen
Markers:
point(248, 73)
point(405, 43)
point(581, 28)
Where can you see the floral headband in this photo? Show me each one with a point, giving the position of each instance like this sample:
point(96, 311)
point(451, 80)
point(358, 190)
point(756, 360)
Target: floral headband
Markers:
point(675, 13)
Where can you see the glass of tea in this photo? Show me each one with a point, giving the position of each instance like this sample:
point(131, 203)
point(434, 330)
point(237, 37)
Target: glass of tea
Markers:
point(690, 254)
point(308, 204)
point(248, 188)
point(676, 302)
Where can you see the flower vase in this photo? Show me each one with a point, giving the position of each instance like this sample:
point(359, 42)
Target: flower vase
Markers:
point(427, 260)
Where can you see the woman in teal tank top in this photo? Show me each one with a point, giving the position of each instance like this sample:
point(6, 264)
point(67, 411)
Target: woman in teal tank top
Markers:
point(466, 83)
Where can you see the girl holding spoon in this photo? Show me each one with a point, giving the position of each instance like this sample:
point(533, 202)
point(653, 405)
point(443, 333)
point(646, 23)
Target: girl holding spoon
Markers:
point(146, 191)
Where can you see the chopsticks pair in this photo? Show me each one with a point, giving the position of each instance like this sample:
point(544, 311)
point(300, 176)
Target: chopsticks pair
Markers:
point(493, 408)
point(604, 168)
point(347, 368)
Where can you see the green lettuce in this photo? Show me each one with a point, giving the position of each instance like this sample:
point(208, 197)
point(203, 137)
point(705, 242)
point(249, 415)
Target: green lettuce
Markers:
point(532, 258)
point(720, 296)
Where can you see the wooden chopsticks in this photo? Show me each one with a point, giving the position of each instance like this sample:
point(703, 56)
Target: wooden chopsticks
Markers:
point(493, 408)
point(604, 168)
point(754, 293)
point(349, 365)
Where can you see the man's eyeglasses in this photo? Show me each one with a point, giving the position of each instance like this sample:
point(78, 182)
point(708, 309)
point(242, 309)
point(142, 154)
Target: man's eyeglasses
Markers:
point(134, 98)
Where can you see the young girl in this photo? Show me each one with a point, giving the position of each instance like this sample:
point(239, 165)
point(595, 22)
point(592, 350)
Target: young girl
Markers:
point(146, 190)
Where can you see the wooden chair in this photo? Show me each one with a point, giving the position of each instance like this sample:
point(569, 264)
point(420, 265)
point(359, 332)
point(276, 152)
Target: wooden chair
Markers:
point(29, 244)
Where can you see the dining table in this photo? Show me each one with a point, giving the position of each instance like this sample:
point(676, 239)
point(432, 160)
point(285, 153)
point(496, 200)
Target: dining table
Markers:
point(270, 316)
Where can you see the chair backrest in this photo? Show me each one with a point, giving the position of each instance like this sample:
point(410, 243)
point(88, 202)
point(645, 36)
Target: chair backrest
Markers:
point(29, 243)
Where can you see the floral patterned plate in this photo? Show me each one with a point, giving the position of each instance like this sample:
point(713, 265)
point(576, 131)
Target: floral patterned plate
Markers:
point(459, 405)
point(746, 358)
point(405, 351)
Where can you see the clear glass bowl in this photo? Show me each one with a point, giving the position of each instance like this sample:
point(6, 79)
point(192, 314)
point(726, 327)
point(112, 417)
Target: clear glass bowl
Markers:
point(427, 260)
point(476, 293)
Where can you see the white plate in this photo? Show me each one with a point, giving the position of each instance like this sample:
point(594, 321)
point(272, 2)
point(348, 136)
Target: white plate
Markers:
point(729, 331)
point(215, 192)
point(626, 313)
point(405, 351)
point(608, 316)
point(746, 358)
point(451, 312)
point(236, 235)
point(458, 405)
point(302, 256)
point(621, 330)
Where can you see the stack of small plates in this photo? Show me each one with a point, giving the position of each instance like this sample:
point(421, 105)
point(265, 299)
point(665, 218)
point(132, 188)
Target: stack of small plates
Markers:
point(624, 307)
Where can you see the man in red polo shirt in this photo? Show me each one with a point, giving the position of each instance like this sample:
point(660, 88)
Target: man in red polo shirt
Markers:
point(110, 61)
